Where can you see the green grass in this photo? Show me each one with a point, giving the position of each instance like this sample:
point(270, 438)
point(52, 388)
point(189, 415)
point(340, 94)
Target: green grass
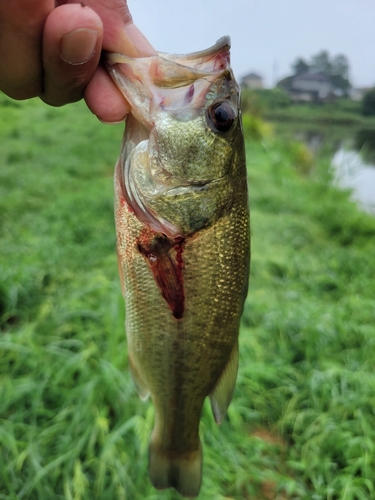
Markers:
point(301, 424)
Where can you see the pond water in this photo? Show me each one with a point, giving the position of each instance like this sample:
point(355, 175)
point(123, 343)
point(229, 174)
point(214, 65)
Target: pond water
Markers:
point(351, 171)
point(353, 157)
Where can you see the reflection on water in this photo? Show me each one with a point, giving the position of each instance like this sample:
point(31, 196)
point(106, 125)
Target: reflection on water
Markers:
point(353, 156)
point(353, 173)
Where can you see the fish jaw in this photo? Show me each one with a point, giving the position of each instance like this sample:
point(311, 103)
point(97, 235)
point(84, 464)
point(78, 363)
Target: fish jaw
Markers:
point(170, 97)
point(166, 80)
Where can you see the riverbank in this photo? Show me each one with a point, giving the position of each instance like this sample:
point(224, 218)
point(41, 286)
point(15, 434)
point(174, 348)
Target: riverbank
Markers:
point(320, 115)
point(301, 421)
point(276, 105)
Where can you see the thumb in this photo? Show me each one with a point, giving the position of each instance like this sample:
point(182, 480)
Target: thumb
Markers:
point(119, 32)
point(72, 42)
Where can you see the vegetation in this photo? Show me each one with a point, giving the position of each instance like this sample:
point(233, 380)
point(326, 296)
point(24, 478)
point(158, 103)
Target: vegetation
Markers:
point(262, 101)
point(276, 105)
point(368, 103)
point(72, 427)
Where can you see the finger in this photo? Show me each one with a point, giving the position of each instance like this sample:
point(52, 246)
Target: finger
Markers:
point(120, 34)
point(104, 99)
point(21, 28)
point(72, 41)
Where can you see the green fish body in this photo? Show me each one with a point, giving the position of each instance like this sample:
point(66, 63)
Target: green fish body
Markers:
point(182, 222)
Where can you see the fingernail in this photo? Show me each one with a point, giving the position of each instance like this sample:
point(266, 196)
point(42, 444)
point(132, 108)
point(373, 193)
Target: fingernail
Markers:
point(111, 123)
point(78, 46)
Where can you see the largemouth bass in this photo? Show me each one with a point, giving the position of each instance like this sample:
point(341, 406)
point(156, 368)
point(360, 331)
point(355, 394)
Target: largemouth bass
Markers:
point(182, 222)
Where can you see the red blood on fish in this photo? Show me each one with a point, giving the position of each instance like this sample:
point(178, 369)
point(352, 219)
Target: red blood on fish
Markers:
point(164, 258)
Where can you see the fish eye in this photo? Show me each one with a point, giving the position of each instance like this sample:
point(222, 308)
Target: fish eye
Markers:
point(221, 116)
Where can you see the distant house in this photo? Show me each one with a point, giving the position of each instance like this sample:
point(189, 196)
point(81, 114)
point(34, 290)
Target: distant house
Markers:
point(311, 87)
point(252, 81)
point(358, 93)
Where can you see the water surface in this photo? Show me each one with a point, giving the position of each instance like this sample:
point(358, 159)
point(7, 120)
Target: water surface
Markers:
point(351, 171)
point(352, 152)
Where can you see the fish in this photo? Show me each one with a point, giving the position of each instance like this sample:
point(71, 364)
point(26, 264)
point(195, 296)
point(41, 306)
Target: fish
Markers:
point(183, 244)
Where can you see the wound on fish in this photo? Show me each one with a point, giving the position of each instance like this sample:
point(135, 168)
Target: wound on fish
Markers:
point(164, 258)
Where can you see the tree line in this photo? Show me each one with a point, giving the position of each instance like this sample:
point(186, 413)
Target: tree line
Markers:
point(336, 68)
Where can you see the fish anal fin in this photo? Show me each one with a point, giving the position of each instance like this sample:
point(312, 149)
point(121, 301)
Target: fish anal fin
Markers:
point(183, 472)
point(222, 392)
point(139, 383)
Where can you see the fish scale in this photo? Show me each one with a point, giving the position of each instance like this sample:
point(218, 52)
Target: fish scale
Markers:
point(184, 287)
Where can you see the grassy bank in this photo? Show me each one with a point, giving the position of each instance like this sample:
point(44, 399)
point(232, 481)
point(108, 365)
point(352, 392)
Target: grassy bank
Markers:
point(301, 424)
point(276, 105)
point(325, 114)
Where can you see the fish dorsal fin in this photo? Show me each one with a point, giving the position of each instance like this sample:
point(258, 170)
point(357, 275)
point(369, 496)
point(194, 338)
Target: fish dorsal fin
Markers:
point(222, 392)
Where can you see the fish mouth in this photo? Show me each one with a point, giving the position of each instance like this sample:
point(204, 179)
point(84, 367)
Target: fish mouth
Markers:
point(174, 82)
point(176, 69)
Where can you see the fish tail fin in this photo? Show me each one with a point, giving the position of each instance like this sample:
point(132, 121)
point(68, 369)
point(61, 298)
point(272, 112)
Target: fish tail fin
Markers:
point(182, 472)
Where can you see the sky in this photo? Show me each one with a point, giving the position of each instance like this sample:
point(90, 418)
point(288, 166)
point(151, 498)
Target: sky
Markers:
point(267, 35)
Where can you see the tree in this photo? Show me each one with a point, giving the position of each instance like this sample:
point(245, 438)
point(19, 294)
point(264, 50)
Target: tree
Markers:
point(336, 68)
point(340, 74)
point(368, 103)
point(300, 66)
point(340, 66)
point(340, 84)
point(320, 63)
point(285, 83)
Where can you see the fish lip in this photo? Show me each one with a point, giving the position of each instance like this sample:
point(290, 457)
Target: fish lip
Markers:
point(111, 58)
point(222, 43)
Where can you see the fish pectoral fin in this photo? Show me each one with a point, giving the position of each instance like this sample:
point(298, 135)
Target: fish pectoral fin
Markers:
point(139, 383)
point(222, 392)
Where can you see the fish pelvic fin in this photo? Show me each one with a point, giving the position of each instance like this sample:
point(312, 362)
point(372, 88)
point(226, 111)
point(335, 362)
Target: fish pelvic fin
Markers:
point(222, 392)
point(139, 383)
point(183, 472)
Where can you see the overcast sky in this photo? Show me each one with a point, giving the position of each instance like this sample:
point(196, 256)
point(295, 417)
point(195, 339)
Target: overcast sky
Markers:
point(267, 35)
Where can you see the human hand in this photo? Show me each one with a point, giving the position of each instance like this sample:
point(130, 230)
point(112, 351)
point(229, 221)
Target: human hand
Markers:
point(54, 53)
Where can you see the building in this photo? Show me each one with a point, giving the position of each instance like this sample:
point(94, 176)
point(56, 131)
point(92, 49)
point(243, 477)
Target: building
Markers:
point(252, 81)
point(357, 94)
point(311, 87)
